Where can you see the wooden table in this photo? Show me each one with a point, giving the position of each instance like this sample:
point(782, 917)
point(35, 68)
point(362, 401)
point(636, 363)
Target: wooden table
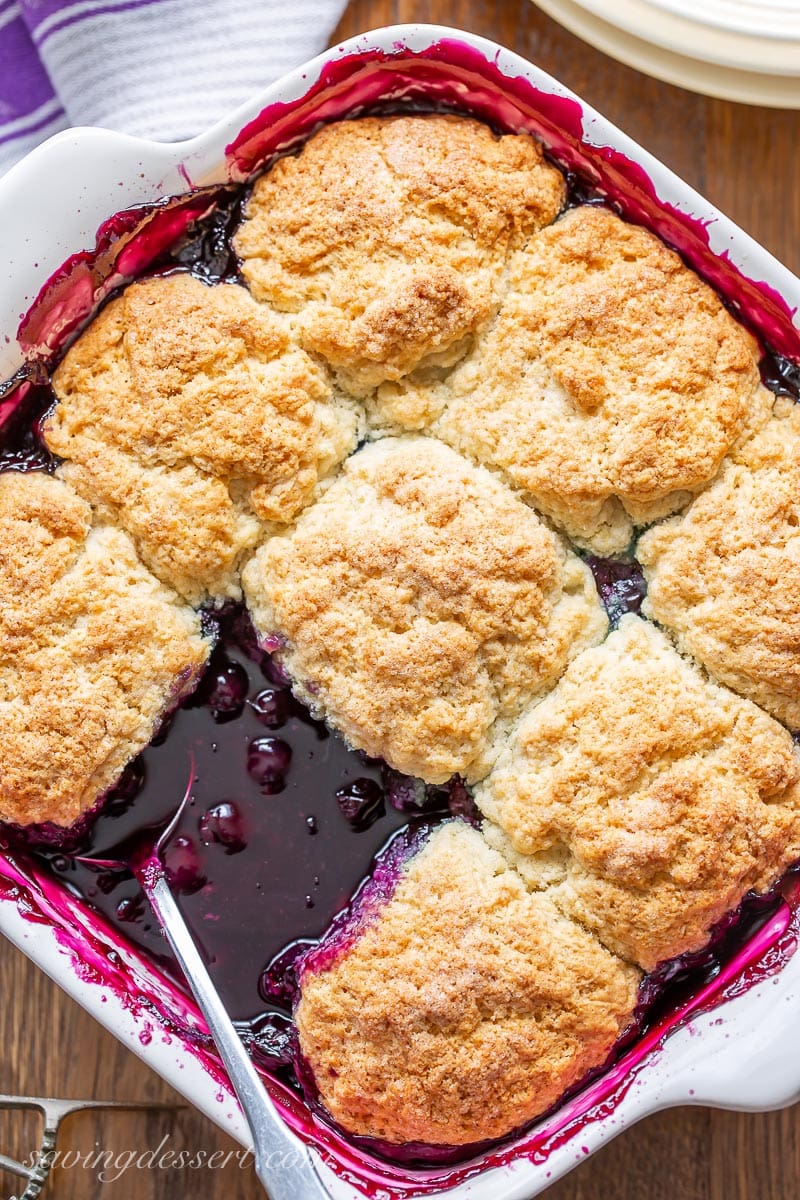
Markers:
point(744, 160)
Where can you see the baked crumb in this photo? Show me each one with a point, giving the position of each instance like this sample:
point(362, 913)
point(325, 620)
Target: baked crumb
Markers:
point(187, 416)
point(725, 578)
point(647, 800)
point(387, 237)
point(610, 386)
point(93, 651)
point(422, 605)
point(465, 1008)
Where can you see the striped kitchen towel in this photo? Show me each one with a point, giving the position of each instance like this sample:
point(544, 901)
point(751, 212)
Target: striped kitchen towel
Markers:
point(163, 69)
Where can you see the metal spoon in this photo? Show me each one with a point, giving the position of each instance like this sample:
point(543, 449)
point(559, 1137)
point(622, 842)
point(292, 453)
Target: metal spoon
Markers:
point(283, 1163)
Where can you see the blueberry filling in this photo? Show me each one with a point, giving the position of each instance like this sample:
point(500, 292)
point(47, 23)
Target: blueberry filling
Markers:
point(243, 861)
point(284, 821)
point(361, 802)
point(781, 375)
point(621, 584)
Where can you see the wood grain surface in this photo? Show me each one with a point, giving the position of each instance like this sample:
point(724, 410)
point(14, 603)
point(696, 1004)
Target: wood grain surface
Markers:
point(745, 160)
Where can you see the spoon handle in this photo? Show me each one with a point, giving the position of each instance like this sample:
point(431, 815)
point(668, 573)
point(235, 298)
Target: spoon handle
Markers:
point(283, 1163)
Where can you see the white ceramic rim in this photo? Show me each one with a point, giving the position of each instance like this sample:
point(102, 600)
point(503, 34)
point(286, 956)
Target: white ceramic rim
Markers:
point(744, 1055)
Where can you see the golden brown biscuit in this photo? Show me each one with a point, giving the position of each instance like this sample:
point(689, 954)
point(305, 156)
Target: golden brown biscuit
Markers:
point(422, 605)
point(187, 416)
point(647, 800)
point(93, 651)
point(725, 578)
point(387, 236)
point(464, 1009)
point(610, 386)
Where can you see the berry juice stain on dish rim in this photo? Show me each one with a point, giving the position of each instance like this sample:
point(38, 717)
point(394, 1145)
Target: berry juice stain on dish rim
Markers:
point(448, 75)
point(258, 756)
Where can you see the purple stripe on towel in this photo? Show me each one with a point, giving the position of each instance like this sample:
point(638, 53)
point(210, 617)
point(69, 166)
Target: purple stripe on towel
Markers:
point(50, 118)
point(37, 11)
point(24, 84)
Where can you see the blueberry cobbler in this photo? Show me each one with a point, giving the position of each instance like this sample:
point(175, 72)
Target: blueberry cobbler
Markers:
point(317, 535)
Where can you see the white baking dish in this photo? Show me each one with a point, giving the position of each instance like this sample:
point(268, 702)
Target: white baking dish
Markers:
point(745, 1053)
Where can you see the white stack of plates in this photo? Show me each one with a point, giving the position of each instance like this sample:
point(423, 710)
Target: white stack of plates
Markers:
point(746, 50)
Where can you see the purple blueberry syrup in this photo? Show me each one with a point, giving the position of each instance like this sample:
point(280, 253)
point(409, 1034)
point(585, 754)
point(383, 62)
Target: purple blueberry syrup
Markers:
point(23, 404)
point(243, 860)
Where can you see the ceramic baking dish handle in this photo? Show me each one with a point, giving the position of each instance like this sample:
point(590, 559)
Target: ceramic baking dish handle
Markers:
point(744, 1055)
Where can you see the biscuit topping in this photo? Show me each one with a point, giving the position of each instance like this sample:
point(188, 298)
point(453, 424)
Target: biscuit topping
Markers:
point(611, 385)
point(93, 651)
point(422, 606)
point(186, 414)
point(387, 236)
point(465, 1008)
point(726, 577)
point(647, 800)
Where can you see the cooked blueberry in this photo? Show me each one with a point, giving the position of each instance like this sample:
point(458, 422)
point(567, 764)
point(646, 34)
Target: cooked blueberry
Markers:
point(182, 864)
point(461, 803)
point(268, 761)
point(621, 585)
point(272, 1040)
point(278, 981)
point(108, 880)
point(223, 825)
point(275, 672)
point(228, 691)
point(130, 909)
point(272, 707)
point(410, 795)
point(780, 375)
point(361, 802)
